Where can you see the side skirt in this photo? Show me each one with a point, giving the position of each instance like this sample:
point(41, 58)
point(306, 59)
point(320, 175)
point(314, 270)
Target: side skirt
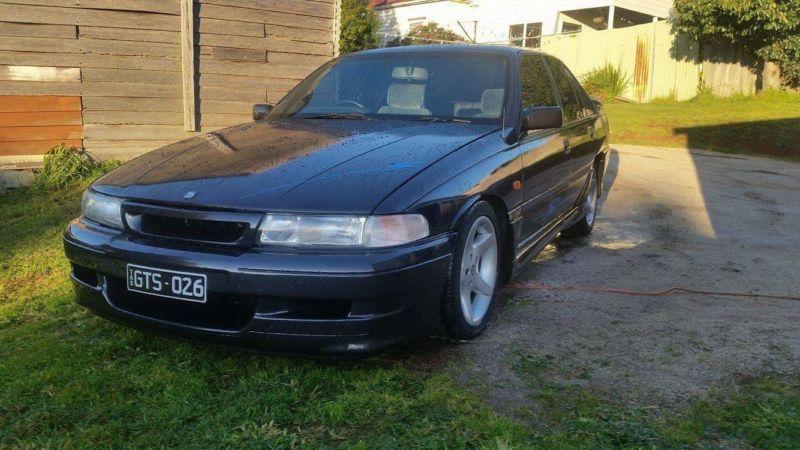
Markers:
point(534, 248)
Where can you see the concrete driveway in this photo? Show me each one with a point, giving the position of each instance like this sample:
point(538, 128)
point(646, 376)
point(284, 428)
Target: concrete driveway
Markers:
point(671, 218)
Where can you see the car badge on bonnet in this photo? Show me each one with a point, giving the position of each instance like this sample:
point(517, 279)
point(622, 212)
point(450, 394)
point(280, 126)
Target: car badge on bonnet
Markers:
point(190, 195)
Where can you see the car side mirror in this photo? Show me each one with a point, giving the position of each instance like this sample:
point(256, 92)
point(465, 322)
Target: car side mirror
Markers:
point(542, 118)
point(261, 111)
point(597, 102)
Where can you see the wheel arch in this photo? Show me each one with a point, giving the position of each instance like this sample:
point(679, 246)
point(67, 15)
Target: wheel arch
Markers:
point(600, 164)
point(505, 233)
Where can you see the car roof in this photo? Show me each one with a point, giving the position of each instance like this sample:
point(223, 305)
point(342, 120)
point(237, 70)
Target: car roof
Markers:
point(478, 49)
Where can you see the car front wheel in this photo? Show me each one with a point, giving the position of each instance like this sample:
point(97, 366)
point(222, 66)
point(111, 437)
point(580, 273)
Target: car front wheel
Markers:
point(474, 274)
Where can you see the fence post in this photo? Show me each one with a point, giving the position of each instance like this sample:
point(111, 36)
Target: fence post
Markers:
point(652, 77)
point(770, 76)
point(188, 65)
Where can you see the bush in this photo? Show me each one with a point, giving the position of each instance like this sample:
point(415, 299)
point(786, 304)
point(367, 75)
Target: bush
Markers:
point(606, 82)
point(65, 166)
point(786, 53)
point(768, 28)
point(430, 33)
point(359, 27)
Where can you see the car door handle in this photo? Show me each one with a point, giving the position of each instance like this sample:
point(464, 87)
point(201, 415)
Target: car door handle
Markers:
point(566, 146)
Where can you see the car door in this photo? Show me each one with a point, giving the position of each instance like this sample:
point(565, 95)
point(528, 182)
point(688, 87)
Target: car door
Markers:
point(583, 156)
point(578, 128)
point(546, 164)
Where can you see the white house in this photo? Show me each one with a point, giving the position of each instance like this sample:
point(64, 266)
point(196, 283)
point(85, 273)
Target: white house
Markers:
point(515, 22)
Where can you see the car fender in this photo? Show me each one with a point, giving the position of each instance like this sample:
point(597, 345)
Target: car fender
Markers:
point(498, 176)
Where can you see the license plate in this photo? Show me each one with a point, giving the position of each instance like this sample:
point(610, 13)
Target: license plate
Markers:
point(167, 283)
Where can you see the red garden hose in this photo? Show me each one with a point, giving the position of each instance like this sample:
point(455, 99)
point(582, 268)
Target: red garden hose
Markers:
point(670, 291)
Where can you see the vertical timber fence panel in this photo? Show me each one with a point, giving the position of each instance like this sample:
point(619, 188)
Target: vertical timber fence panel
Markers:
point(728, 70)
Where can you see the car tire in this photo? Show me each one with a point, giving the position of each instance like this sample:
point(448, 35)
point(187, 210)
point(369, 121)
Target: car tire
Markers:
point(590, 208)
point(474, 276)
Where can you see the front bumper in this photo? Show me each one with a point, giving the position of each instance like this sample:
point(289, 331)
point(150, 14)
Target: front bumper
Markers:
point(279, 302)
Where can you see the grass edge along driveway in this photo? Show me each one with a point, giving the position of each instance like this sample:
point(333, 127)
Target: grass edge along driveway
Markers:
point(69, 379)
point(766, 124)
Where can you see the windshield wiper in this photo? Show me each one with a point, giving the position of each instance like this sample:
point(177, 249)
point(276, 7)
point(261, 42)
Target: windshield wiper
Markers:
point(337, 116)
point(439, 119)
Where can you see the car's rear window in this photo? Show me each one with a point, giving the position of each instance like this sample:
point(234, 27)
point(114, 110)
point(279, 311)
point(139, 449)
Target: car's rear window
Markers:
point(412, 86)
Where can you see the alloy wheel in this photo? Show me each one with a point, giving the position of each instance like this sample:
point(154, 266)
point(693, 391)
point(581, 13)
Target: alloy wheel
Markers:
point(590, 207)
point(478, 270)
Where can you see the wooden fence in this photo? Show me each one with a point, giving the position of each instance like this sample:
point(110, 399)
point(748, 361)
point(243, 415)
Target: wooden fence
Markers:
point(142, 76)
point(658, 62)
point(29, 124)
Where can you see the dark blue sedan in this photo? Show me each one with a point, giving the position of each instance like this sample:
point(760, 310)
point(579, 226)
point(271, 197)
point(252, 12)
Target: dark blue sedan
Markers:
point(388, 196)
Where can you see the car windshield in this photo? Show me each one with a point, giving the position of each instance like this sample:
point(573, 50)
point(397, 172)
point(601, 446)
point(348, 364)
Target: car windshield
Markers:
point(411, 86)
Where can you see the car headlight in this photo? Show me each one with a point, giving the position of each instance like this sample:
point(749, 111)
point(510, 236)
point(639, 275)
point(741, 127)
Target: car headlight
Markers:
point(102, 209)
point(353, 231)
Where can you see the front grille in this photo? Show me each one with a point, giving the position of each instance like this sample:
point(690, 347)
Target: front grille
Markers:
point(213, 227)
point(220, 312)
point(192, 229)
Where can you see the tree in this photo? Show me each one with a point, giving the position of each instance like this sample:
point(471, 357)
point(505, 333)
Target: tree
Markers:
point(359, 27)
point(768, 28)
point(430, 33)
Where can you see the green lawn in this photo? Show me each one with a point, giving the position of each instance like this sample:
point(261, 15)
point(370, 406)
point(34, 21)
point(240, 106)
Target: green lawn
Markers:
point(766, 124)
point(69, 379)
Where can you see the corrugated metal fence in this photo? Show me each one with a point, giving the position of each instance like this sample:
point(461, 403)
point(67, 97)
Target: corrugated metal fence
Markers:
point(658, 62)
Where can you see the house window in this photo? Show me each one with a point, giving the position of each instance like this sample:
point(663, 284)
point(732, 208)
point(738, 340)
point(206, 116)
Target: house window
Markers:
point(525, 34)
point(515, 34)
point(567, 27)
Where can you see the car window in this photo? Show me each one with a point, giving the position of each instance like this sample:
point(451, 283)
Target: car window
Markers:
point(535, 85)
point(569, 99)
point(588, 107)
point(421, 86)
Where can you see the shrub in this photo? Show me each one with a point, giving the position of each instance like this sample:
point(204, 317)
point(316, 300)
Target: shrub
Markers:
point(606, 81)
point(359, 27)
point(64, 166)
point(786, 53)
point(430, 33)
point(768, 28)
